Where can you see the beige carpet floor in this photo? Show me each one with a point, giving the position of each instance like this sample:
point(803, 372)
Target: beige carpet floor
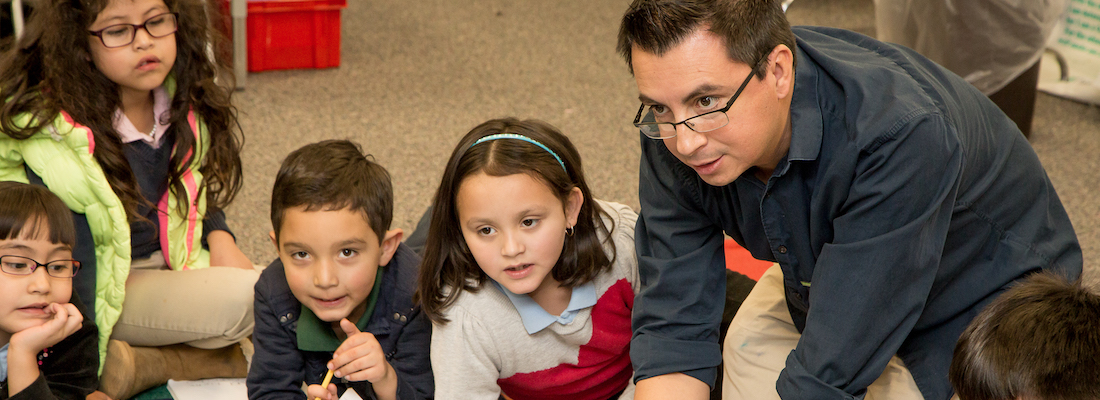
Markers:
point(416, 76)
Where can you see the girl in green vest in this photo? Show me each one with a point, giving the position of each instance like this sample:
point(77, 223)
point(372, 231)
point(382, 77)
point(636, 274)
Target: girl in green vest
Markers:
point(113, 106)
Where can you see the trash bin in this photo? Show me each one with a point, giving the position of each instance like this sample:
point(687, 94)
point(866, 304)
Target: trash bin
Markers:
point(993, 44)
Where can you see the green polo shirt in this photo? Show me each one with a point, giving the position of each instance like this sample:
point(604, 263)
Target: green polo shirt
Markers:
point(317, 335)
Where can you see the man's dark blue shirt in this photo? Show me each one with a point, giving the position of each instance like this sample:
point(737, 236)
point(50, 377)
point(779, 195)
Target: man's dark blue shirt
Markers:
point(907, 201)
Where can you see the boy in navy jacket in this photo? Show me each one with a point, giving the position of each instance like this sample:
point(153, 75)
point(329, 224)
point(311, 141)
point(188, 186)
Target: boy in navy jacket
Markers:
point(340, 295)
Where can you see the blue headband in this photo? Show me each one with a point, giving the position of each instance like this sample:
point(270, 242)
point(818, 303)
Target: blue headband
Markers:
point(525, 139)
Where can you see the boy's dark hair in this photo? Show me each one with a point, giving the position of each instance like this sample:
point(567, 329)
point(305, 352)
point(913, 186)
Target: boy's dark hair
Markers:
point(24, 206)
point(1040, 340)
point(333, 175)
point(47, 71)
point(448, 267)
point(751, 29)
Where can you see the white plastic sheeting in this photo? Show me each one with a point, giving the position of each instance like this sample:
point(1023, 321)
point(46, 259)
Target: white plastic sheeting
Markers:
point(987, 42)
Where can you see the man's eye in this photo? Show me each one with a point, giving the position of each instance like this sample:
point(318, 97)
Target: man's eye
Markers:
point(658, 110)
point(707, 102)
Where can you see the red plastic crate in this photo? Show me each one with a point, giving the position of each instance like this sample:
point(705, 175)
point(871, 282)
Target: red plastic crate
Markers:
point(293, 34)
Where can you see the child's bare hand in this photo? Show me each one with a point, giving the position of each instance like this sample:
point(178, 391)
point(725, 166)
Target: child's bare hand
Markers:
point(97, 395)
point(360, 358)
point(314, 392)
point(224, 251)
point(64, 321)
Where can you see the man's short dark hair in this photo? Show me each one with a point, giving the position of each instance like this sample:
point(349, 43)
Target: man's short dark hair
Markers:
point(333, 175)
point(1040, 340)
point(751, 29)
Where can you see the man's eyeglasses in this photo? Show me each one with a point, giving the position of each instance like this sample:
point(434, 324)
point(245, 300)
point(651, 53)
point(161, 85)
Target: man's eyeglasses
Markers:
point(17, 265)
point(119, 35)
point(703, 122)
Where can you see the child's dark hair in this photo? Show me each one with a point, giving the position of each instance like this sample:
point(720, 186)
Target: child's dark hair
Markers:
point(1040, 340)
point(448, 266)
point(333, 175)
point(48, 71)
point(27, 209)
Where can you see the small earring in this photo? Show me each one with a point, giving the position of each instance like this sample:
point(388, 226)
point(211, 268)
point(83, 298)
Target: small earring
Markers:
point(569, 231)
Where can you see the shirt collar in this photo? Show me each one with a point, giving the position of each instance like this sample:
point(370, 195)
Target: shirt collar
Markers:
point(535, 318)
point(806, 119)
point(317, 335)
point(128, 133)
point(4, 363)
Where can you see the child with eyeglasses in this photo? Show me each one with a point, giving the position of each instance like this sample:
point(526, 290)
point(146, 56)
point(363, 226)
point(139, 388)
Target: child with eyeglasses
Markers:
point(47, 348)
point(113, 106)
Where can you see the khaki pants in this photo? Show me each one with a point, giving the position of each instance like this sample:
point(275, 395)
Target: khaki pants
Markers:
point(207, 308)
point(762, 335)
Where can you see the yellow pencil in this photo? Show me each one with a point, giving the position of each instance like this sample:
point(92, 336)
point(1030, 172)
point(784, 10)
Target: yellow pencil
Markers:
point(324, 384)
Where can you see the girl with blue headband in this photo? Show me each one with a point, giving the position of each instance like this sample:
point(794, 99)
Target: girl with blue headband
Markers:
point(528, 280)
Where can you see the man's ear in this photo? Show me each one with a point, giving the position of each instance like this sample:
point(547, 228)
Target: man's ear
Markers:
point(781, 61)
point(573, 206)
point(271, 234)
point(389, 245)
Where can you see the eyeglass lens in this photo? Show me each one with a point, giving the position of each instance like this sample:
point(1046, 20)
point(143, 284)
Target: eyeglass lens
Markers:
point(123, 34)
point(17, 265)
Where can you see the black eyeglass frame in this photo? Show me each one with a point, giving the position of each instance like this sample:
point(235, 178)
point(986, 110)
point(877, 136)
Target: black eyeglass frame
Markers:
point(76, 266)
point(133, 34)
point(729, 104)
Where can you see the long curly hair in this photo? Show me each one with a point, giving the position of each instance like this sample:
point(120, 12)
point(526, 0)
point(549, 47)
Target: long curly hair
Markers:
point(49, 70)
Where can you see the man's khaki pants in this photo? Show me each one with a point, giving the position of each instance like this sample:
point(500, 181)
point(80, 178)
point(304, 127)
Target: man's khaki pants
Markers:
point(761, 337)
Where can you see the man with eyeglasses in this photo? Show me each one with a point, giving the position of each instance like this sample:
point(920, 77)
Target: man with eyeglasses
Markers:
point(895, 198)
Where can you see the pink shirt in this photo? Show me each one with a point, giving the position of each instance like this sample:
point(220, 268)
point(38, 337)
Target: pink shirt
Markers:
point(128, 133)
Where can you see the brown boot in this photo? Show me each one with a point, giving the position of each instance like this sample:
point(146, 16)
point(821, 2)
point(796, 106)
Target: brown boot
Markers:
point(131, 370)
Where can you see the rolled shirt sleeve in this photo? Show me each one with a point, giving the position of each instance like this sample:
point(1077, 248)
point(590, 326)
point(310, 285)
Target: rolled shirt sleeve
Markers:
point(681, 265)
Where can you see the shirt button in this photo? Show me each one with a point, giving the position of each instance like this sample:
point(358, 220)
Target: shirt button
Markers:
point(782, 249)
point(396, 316)
point(798, 296)
point(403, 319)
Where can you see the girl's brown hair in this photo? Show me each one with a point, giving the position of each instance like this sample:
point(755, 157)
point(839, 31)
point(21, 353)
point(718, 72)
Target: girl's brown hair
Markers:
point(448, 267)
point(48, 71)
point(27, 210)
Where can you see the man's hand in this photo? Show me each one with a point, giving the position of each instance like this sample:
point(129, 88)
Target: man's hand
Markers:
point(224, 251)
point(24, 345)
point(672, 386)
point(361, 358)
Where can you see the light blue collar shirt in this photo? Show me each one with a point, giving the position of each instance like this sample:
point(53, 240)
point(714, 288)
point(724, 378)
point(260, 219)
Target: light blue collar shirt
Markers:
point(4, 363)
point(535, 318)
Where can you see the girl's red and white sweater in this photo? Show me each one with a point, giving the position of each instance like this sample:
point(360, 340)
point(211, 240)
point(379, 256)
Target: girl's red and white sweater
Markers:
point(485, 350)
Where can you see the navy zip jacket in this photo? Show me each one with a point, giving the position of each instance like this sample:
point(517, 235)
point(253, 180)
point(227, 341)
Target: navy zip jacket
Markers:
point(279, 368)
point(907, 201)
